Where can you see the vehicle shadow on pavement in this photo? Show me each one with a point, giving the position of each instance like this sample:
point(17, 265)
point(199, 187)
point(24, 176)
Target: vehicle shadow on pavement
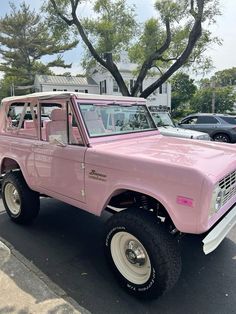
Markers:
point(67, 245)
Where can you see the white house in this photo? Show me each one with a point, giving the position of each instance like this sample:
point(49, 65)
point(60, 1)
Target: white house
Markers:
point(102, 82)
point(44, 83)
point(107, 84)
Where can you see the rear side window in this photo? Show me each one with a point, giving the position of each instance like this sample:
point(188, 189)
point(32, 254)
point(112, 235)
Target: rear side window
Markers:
point(22, 119)
point(229, 120)
point(207, 120)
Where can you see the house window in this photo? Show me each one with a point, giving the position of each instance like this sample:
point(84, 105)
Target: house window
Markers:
point(54, 89)
point(131, 85)
point(103, 87)
point(83, 91)
point(115, 87)
point(163, 89)
point(76, 90)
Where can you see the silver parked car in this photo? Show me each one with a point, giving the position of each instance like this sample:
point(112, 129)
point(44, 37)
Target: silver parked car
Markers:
point(167, 127)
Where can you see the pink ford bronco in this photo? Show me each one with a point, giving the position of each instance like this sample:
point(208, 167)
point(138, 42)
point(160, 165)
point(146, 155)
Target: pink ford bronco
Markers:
point(102, 153)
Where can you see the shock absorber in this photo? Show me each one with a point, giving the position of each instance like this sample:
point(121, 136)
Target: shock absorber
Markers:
point(144, 202)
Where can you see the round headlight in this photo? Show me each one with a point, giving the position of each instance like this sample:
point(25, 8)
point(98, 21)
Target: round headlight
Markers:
point(216, 201)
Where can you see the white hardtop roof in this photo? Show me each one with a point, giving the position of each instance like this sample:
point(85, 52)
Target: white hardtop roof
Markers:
point(57, 94)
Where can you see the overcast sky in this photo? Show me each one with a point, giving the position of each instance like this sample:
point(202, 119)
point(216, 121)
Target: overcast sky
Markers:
point(223, 56)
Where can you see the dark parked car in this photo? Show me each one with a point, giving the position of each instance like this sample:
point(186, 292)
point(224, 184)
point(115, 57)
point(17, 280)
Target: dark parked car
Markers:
point(220, 127)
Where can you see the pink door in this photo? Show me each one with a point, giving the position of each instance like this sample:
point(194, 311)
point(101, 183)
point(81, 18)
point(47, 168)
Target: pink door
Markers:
point(60, 169)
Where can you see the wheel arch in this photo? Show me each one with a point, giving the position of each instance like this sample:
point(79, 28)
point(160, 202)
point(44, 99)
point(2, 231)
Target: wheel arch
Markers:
point(129, 194)
point(9, 164)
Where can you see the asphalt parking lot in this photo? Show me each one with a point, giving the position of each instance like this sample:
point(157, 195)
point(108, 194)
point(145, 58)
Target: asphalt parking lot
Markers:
point(66, 244)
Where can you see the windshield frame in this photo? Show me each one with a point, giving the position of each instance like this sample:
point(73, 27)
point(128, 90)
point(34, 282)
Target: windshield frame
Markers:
point(149, 118)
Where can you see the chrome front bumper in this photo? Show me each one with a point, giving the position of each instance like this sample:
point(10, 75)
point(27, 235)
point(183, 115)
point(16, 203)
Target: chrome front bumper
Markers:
point(217, 234)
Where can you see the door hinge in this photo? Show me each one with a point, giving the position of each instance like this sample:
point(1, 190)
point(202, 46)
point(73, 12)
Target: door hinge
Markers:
point(82, 193)
point(82, 165)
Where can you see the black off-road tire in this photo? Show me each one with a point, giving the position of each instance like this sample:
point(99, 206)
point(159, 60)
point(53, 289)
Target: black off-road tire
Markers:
point(26, 199)
point(161, 248)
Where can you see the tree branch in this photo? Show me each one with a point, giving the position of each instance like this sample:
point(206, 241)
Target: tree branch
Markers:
point(64, 18)
point(149, 62)
point(194, 35)
point(108, 64)
point(159, 69)
point(168, 60)
point(76, 3)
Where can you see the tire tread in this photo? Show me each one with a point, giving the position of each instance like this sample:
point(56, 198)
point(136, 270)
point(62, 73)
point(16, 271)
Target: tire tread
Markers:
point(29, 199)
point(157, 236)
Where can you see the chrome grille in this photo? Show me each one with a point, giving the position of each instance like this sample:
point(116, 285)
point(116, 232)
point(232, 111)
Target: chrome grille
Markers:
point(228, 187)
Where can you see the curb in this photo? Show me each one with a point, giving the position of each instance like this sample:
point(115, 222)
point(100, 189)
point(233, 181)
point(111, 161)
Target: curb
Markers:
point(60, 293)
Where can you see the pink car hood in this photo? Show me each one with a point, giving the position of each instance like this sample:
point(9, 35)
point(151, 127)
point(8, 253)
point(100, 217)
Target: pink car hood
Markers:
point(213, 159)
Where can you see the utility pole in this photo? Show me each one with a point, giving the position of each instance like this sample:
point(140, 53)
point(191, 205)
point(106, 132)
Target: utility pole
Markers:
point(12, 88)
point(213, 100)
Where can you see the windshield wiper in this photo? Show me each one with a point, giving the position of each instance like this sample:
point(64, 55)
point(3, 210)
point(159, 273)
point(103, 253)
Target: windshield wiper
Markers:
point(164, 125)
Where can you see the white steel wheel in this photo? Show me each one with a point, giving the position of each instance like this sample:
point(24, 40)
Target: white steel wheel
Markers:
point(21, 203)
point(130, 258)
point(12, 199)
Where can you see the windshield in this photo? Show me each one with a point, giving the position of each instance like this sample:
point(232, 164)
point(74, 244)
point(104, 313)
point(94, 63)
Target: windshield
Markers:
point(162, 119)
point(113, 119)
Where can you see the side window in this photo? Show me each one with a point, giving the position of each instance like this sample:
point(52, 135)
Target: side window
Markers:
point(46, 110)
point(59, 124)
point(192, 120)
point(207, 120)
point(22, 119)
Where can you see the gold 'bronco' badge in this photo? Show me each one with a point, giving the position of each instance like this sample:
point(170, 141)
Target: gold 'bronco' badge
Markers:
point(97, 176)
